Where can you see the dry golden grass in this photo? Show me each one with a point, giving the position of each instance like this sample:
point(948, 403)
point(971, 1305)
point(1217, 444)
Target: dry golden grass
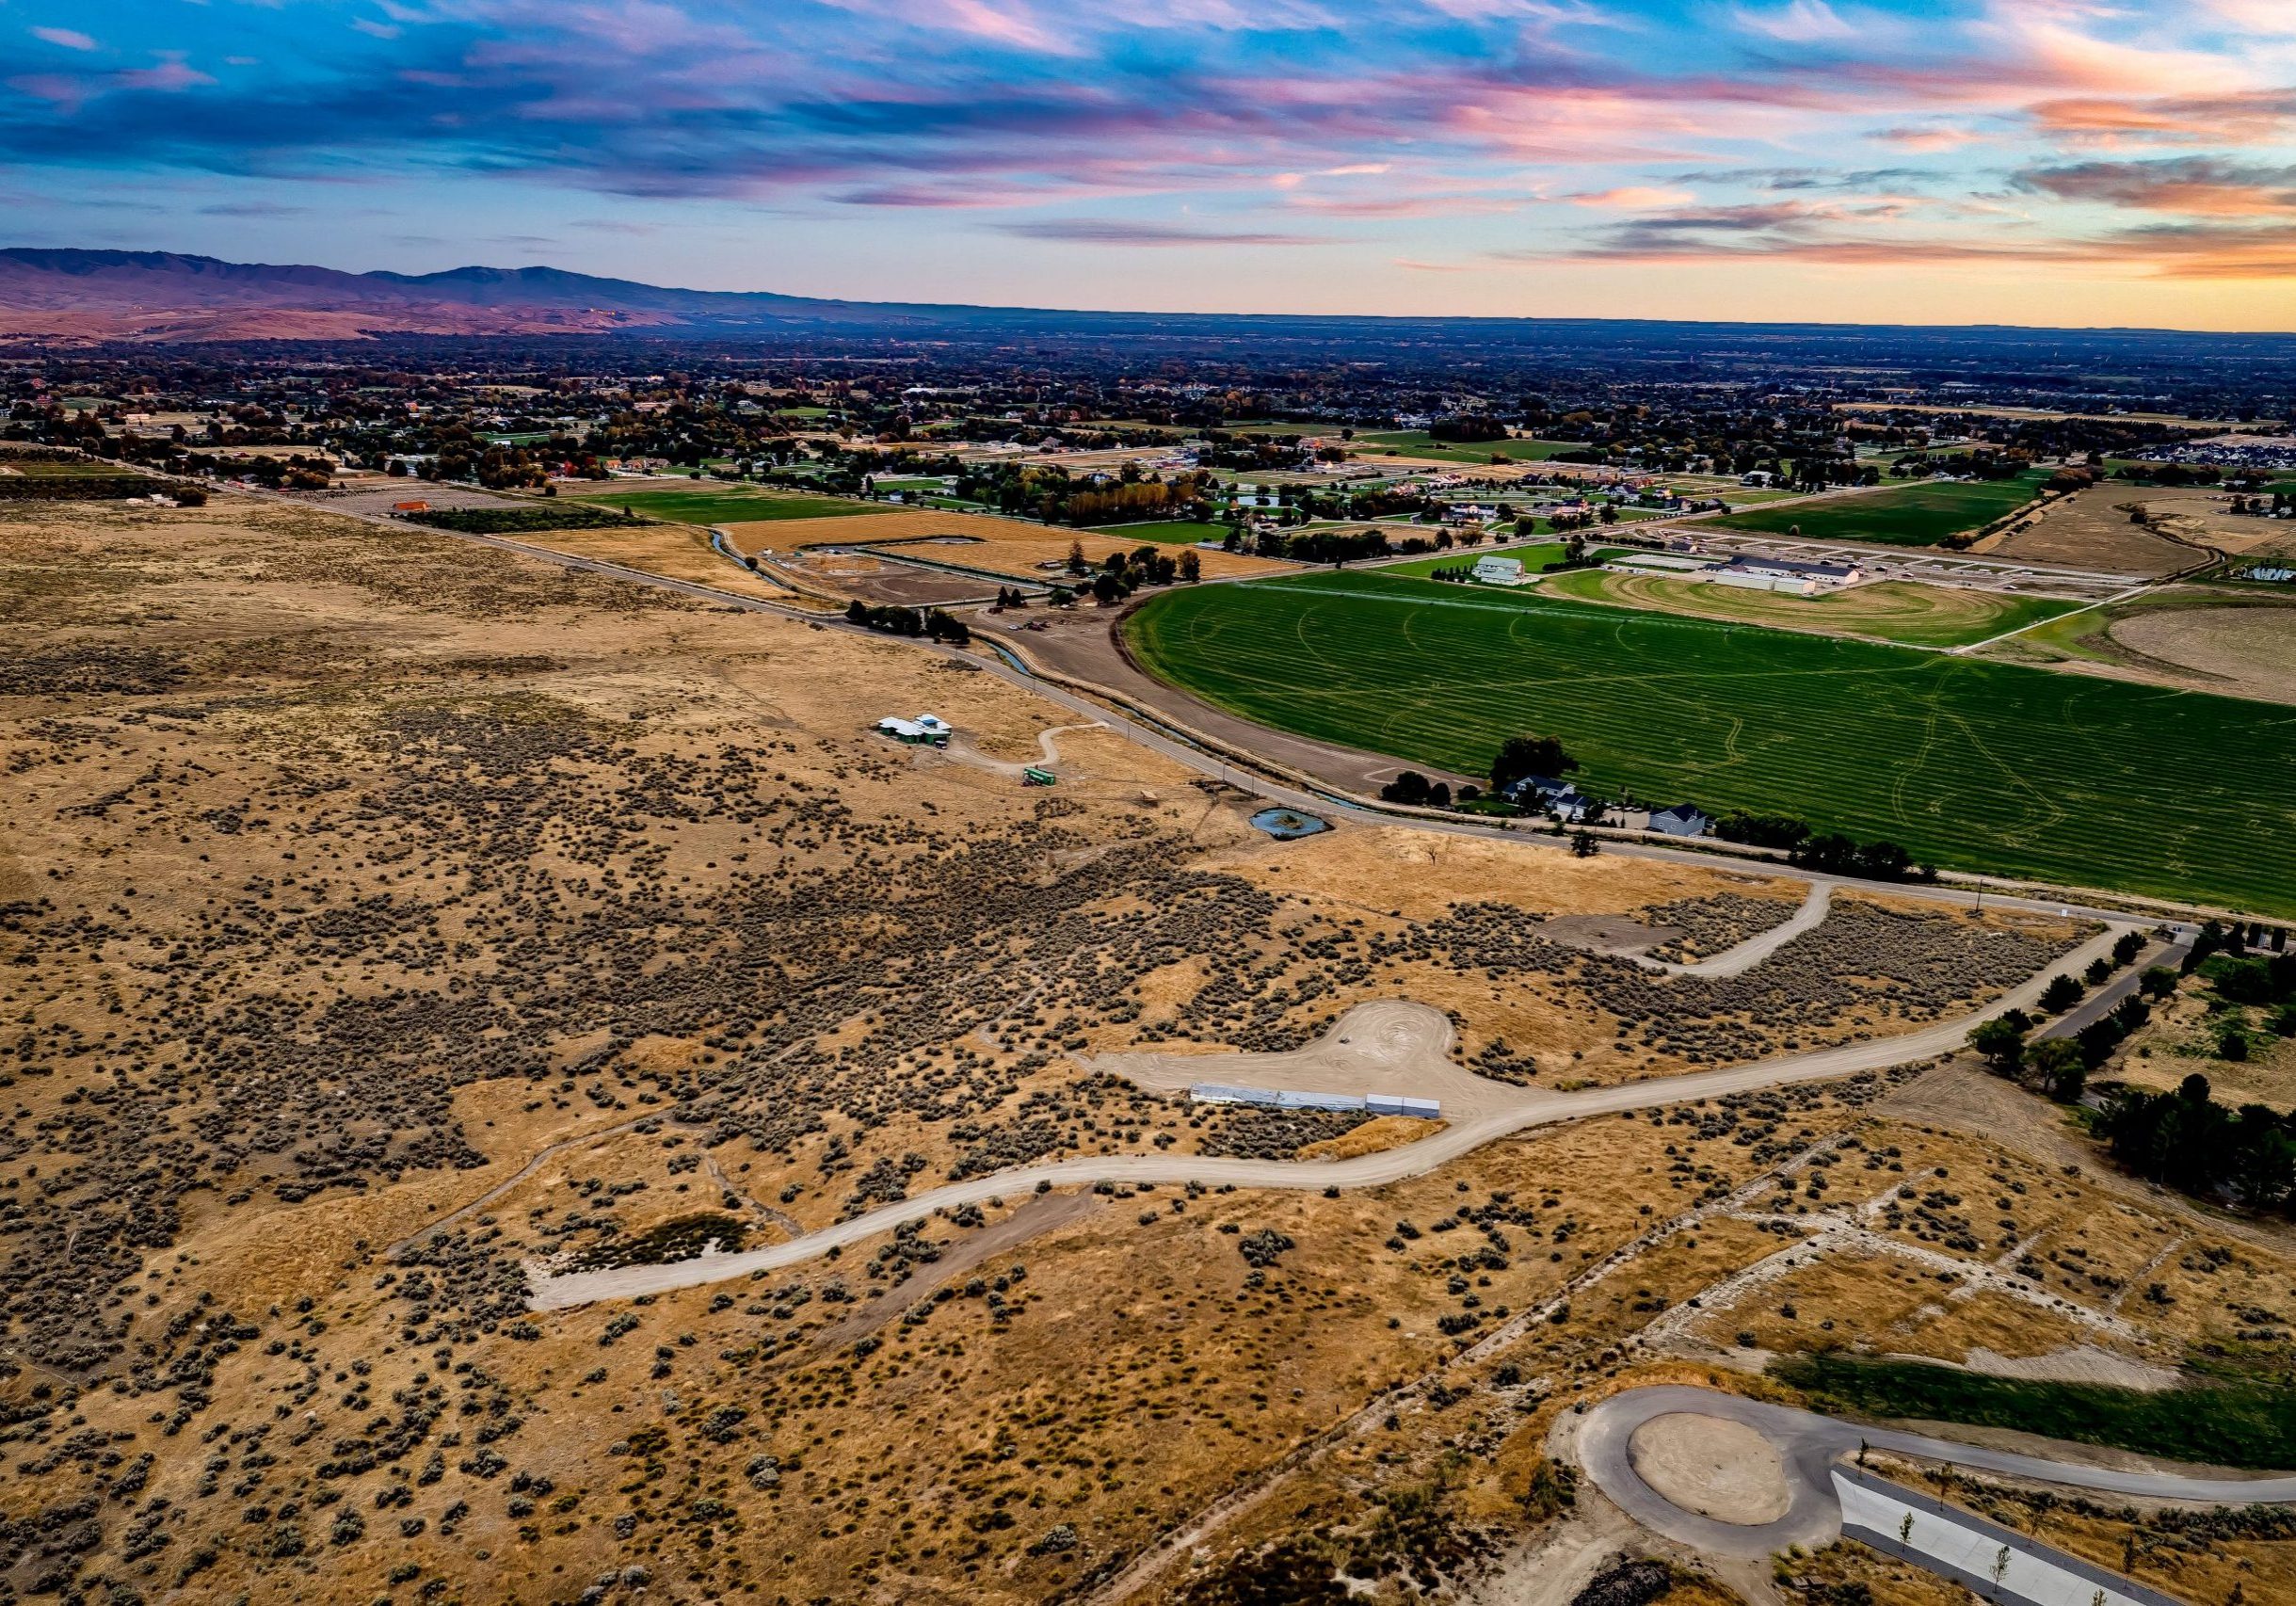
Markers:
point(1005, 546)
point(1373, 1136)
point(678, 551)
point(2092, 529)
point(619, 808)
point(1892, 1583)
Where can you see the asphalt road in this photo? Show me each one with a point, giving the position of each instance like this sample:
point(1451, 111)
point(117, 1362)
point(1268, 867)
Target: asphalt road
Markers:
point(1808, 1444)
point(2101, 1003)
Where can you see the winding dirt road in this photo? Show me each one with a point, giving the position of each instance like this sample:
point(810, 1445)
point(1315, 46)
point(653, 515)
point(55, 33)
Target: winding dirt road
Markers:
point(1510, 1110)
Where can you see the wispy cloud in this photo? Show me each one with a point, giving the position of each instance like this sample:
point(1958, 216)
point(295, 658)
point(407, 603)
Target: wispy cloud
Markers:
point(1578, 129)
point(1118, 232)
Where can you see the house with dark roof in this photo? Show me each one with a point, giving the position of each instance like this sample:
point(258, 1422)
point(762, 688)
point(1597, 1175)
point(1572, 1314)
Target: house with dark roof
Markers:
point(1683, 820)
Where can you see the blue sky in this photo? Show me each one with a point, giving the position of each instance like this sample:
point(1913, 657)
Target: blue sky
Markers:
point(2031, 161)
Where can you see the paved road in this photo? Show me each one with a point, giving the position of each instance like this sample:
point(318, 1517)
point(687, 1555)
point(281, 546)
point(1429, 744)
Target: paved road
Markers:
point(2103, 1001)
point(1531, 1107)
point(1807, 1445)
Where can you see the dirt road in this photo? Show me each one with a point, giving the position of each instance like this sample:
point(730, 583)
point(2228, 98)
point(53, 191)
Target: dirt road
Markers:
point(1507, 1112)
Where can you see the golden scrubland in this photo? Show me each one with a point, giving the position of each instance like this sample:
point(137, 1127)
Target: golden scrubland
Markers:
point(389, 919)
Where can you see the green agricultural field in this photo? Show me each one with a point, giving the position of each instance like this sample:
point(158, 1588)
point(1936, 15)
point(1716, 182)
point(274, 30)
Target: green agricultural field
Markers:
point(1974, 765)
point(1534, 560)
point(1419, 443)
point(1163, 532)
point(728, 506)
point(1921, 514)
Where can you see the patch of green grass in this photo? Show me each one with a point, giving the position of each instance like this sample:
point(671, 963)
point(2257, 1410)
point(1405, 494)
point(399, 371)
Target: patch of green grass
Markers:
point(1967, 762)
point(718, 507)
point(2232, 1424)
point(1921, 514)
point(1535, 559)
point(1163, 532)
point(1419, 443)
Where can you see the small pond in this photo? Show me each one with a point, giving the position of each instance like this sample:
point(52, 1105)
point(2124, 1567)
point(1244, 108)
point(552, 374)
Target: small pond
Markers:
point(1286, 824)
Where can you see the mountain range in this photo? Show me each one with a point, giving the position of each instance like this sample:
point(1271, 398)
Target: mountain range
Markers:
point(165, 297)
point(69, 296)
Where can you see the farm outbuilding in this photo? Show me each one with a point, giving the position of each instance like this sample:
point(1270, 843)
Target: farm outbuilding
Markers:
point(925, 731)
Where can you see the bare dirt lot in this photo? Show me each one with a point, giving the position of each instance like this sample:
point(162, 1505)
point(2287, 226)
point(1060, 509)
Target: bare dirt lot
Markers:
point(2094, 529)
point(2202, 637)
point(2251, 648)
point(1718, 1468)
point(877, 579)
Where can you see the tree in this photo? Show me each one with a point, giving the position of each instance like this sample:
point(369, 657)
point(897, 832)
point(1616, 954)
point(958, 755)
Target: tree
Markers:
point(1191, 566)
point(2157, 982)
point(2061, 1067)
point(1520, 756)
point(1409, 788)
point(1076, 559)
point(1583, 844)
point(2061, 993)
point(2003, 1045)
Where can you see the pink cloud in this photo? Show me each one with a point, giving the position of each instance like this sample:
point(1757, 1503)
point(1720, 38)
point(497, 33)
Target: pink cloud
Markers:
point(66, 38)
point(169, 78)
point(1632, 197)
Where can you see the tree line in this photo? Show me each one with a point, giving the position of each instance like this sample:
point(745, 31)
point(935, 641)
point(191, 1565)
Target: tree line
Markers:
point(930, 623)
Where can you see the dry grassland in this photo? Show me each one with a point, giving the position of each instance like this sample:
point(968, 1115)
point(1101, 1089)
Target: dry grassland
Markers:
point(2205, 639)
point(1847, 1564)
point(2094, 529)
point(679, 551)
point(382, 912)
point(2250, 652)
point(1004, 546)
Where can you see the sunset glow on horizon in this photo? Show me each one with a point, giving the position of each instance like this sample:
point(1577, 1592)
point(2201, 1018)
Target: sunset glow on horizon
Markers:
point(2052, 162)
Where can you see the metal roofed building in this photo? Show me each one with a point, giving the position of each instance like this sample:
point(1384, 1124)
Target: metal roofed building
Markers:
point(1340, 1104)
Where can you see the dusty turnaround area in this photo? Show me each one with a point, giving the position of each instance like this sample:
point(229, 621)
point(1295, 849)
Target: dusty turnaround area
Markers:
point(384, 915)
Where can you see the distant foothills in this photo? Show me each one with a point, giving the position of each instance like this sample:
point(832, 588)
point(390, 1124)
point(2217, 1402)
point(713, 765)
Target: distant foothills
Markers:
point(73, 297)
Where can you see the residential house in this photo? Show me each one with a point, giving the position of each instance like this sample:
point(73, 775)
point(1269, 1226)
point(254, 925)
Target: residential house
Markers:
point(1683, 820)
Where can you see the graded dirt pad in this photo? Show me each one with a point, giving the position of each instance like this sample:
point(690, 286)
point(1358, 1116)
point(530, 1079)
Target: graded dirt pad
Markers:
point(1014, 547)
point(2250, 652)
point(1390, 1046)
point(2092, 529)
point(1716, 1467)
point(880, 580)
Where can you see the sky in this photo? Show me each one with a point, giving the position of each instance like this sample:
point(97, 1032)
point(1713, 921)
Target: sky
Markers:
point(2052, 162)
